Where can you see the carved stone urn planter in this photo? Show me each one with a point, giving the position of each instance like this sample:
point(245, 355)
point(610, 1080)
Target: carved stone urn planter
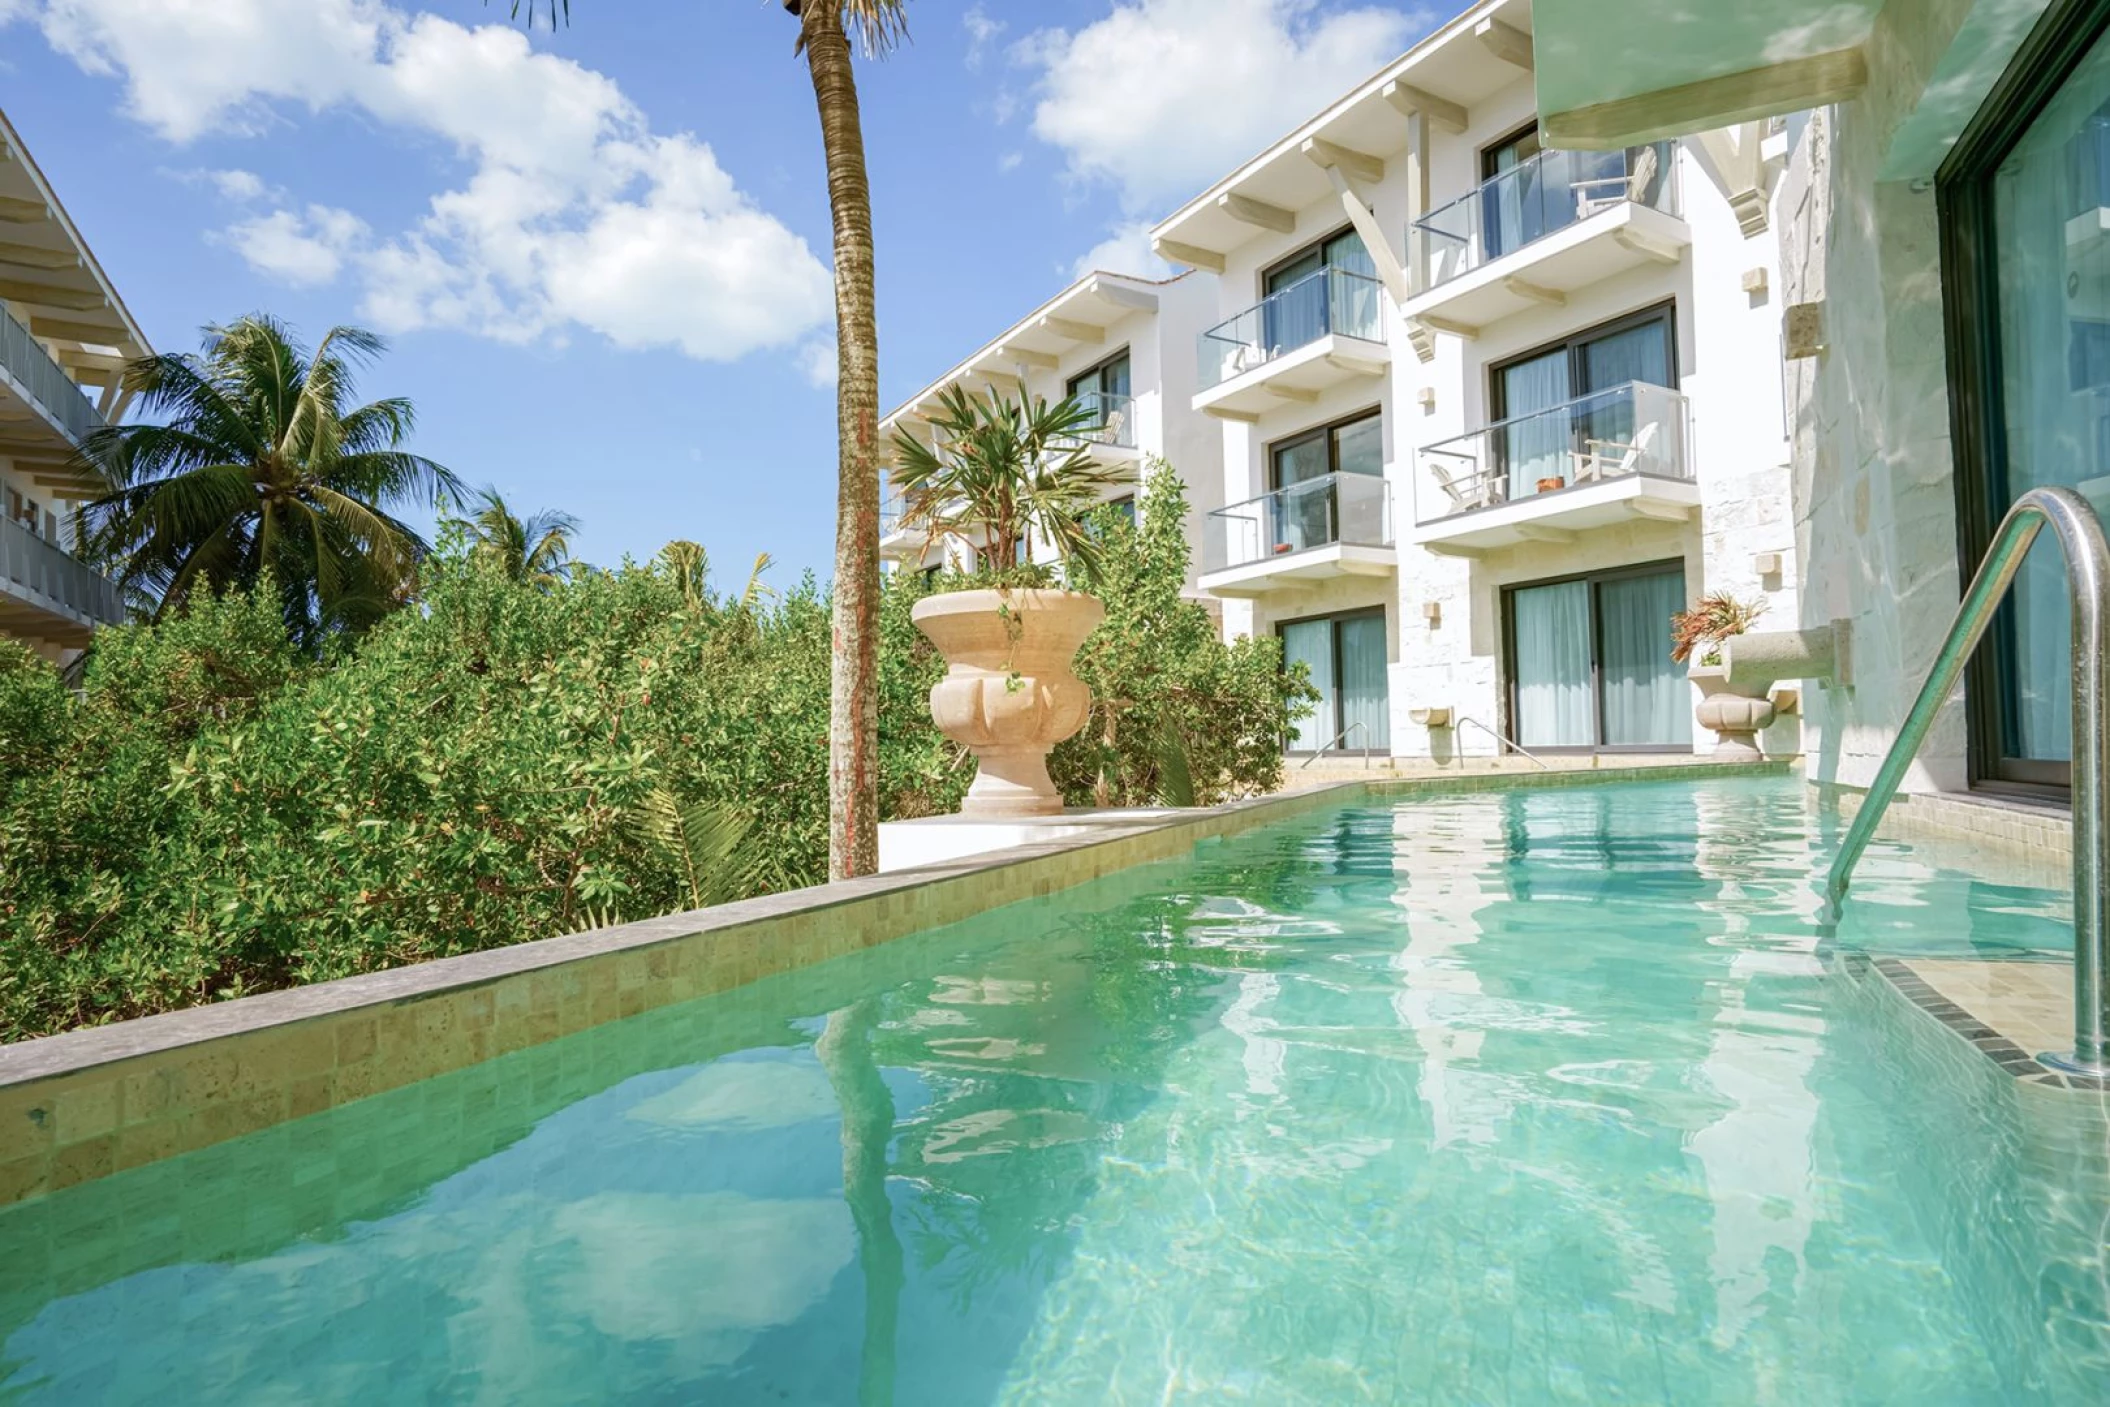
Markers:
point(1736, 713)
point(1009, 695)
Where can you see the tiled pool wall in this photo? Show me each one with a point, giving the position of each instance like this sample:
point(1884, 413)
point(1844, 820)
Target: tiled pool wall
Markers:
point(2043, 1318)
point(84, 1105)
point(2039, 835)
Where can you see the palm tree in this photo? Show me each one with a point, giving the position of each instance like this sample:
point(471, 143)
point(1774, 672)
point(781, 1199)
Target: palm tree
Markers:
point(534, 551)
point(826, 30)
point(260, 468)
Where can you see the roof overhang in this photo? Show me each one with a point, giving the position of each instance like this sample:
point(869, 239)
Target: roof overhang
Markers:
point(1469, 60)
point(1615, 73)
point(1079, 316)
point(50, 279)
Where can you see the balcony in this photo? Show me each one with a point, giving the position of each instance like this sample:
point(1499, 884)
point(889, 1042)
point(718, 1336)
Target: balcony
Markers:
point(1111, 434)
point(1552, 225)
point(1320, 332)
point(1334, 525)
point(1615, 456)
point(46, 593)
point(30, 373)
point(896, 542)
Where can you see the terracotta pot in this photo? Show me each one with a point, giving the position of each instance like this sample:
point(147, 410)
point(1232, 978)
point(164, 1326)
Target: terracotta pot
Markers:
point(1009, 695)
point(1737, 714)
point(1552, 485)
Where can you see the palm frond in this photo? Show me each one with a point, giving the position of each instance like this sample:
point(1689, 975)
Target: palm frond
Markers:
point(701, 842)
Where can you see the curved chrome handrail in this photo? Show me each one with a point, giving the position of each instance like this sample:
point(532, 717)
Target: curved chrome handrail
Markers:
point(1502, 742)
point(2080, 536)
point(1337, 737)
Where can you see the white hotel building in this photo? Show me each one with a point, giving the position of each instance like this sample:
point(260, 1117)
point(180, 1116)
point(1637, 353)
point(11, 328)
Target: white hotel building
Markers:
point(1469, 419)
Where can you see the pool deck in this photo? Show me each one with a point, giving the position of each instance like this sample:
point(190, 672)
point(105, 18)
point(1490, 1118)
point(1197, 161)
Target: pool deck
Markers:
point(2011, 1011)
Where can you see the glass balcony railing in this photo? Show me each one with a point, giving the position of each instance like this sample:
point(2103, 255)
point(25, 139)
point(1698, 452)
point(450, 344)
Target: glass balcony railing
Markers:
point(890, 511)
point(1541, 196)
point(32, 368)
point(1344, 508)
point(33, 568)
point(1636, 428)
point(1113, 420)
point(1329, 301)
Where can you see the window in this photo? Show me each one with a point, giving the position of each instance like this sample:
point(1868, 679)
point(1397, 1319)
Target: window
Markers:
point(1307, 517)
point(1552, 402)
point(1104, 391)
point(1589, 662)
point(1108, 378)
point(2023, 197)
point(1346, 656)
point(1329, 287)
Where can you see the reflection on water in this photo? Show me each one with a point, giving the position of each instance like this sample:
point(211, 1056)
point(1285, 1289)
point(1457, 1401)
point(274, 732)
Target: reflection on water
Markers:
point(1529, 1096)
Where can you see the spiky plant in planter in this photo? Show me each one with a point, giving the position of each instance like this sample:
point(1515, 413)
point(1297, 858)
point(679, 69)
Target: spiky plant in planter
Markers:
point(1736, 714)
point(1717, 617)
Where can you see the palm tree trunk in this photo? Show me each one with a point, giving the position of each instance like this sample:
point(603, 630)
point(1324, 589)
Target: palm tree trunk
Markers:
point(853, 717)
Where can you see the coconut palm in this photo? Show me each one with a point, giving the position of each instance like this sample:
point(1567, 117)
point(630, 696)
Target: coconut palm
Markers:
point(827, 30)
point(260, 466)
point(534, 551)
point(1004, 470)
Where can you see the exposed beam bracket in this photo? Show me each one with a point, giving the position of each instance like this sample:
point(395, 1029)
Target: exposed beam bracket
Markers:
point(1121, 295)
point(44, 295)
point(1505, 42)
point(1659, 511)
point(1536, 293)
point(16, 211)
point(1790, 86)
point(1453, 327)
point(1422, 341)
point(64, 330)
point(1073, 331)
point(1358, 165)
point(1243, 417)
point(1301, 395)
point(1647, 248)
point(36, 256)
point(1539, 532)
point(1247, 210)
point(1192, 255)
point(1442, 111)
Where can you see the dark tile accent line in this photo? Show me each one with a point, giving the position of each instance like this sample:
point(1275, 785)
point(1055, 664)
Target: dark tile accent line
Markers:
point(2004, 1053)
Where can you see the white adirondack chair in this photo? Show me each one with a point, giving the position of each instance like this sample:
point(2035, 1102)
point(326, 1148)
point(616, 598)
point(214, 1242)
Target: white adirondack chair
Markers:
point(1609, 459)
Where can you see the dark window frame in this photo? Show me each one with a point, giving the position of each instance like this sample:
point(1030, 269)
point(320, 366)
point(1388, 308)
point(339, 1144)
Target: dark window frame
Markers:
point(1334, 619)
point(1273, 448)
point(1486, 154)
point(1269, 271)
point(1510, 705)
point(1964, 211)
point(1070, 383)
point(1666, 309)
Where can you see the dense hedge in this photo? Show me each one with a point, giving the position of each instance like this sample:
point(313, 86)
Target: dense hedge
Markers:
point(215, 813)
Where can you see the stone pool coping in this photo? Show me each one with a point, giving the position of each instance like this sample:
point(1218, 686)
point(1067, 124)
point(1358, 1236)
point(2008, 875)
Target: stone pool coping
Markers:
point(92, 1102)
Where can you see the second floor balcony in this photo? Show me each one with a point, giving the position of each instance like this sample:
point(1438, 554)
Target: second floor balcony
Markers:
point(1332, 525)
point(1325, 329)
point(1547, 227)
point(48, 593)
point(1614, 456)
point(1111, 433)
point(28, 372)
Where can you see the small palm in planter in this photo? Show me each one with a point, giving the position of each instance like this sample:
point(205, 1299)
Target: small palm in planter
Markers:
point(1000, 475)
point(1735, 714)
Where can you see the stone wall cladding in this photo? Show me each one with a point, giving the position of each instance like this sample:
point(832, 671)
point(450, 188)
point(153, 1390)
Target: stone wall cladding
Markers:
point(89, 1103)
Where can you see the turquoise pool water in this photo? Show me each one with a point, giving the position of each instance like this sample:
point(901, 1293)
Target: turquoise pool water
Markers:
point(1553, 1096)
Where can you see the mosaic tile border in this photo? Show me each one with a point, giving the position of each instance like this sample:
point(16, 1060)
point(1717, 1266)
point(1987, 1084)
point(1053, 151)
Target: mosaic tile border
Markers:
point(2039, 832)
point(83, 1105)
point(2004, 1053)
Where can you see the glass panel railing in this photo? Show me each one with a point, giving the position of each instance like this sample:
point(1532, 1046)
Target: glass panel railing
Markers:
point(1329, 301)
point(1632, 429)
point(1113, 420)
point(1346, 508)
point(32, 368)
point(1539, 197)
point(40, 572)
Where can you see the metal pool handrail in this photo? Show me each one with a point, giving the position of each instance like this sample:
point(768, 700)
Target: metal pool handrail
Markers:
point(1502, 742)
point(1338, 737)
point(2087, 555)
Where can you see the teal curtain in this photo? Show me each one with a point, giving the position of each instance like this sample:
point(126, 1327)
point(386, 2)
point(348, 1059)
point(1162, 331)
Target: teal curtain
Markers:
point(1365, 692)
point(1310, 643)
point(1647, 699)
point(1555, 704)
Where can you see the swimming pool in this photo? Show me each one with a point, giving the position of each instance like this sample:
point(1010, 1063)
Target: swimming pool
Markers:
point(1526, 1096)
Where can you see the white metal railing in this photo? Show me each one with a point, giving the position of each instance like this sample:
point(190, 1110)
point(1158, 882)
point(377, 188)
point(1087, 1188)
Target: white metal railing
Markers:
point(46, 575)
point(1540, 196)
point(1333, 508)
point(1636, 428)
point(1329, 301)
point(45, 382)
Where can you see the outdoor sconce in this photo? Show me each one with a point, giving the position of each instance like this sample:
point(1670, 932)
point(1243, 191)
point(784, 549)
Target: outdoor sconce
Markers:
point(1432, 612)
point(1430, 717)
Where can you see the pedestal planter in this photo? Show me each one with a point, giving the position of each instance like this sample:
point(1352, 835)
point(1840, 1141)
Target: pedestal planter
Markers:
point(1736, 714)
point(1009, 695)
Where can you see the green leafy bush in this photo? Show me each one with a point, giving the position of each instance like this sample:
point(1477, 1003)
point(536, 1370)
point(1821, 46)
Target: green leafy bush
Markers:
point(218, 812)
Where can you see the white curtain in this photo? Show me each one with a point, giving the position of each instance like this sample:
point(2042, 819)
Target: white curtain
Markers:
point(1536, 446)
point(1310, 643)
point(2054, 299)
point(1646, 697)
point(1555, 707)
point(1365, 695)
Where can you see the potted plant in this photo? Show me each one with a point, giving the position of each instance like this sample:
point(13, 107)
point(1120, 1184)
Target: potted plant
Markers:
point(1735, 713)
point(999, 475)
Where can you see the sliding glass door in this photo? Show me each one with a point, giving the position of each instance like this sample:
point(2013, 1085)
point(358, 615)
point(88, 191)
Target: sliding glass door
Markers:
point(1558, 400)
point(1347, 659)
point(1590, 666)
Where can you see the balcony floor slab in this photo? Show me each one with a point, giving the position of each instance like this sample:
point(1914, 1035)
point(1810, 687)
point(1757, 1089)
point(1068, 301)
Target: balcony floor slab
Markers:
point(1297, 375)
point(1301, 568)
point(1552, 516)
point(1606, 244)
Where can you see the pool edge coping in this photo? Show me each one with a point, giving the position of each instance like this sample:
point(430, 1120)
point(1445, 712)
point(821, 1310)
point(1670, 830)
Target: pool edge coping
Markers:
point(102, 1099)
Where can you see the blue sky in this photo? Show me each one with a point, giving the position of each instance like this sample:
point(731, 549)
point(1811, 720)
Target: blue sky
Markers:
point(601, 254)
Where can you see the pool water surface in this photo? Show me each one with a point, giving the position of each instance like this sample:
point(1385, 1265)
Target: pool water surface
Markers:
point(1524, 1096)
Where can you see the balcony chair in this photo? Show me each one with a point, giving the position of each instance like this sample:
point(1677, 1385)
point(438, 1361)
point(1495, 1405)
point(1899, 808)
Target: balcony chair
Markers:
point(1469, 491)
point(1609, 459)
point(1605, 192)
point(1109, 431)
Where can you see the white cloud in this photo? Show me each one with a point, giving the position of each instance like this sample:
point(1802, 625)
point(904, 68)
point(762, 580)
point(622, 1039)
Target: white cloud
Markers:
point(1125, 250)
point(818, 359)
point(1010, 161)
point(1163, 96)
point(301, 249)
point(574, 212)
point(982, 31)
